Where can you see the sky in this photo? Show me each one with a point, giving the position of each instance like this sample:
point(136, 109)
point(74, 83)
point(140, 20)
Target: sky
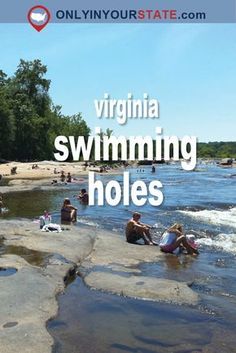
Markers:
point(189, 68)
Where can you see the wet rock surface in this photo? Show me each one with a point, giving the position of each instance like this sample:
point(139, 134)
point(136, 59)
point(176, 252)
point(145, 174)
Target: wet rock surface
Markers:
point(120, 273)
point(28, 297)
point(143, 287)
point(104, 259)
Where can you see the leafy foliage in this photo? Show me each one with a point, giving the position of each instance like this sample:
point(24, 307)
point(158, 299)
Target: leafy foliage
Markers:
point(29, 122)
point(217, 150)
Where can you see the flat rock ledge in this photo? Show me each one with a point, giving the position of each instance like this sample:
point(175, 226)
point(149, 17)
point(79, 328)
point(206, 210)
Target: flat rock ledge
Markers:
point(113, 266)
point(141, 287)
point(106, 261)
point(27, 301)
point(28, 297)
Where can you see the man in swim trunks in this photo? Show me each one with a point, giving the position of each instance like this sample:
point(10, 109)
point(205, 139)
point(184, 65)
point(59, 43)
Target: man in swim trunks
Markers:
point(136, 230)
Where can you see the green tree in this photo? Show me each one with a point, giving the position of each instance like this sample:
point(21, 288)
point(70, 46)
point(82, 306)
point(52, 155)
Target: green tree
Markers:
point(28, 91)
point(7, 127)
point(216, 150)
point(29, 121)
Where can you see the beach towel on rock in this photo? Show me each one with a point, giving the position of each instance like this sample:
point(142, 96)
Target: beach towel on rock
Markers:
point(52, 227)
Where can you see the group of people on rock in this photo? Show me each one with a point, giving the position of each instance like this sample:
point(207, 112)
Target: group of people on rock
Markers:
point(173, 239)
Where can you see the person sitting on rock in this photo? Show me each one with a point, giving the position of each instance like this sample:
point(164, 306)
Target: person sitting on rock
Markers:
point(173, 239)
point(136, 230)
point(45, 219)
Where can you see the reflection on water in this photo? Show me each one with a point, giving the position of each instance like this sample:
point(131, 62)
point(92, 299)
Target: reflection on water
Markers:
point(9, 271)
point(31, 204)
point(94, 322)
point(33, 257)
point(212, 275)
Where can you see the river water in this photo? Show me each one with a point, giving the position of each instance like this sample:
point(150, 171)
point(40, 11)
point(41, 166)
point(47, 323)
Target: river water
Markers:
point(204, 201)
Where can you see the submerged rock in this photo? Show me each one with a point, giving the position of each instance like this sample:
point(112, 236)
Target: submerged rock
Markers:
point(28, 297)
point(112, 254)
point(141, 287)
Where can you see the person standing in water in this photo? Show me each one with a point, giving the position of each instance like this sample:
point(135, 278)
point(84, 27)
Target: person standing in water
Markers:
point(69, 178)
point(68, 212)
point(83, 197)
point(62, 176)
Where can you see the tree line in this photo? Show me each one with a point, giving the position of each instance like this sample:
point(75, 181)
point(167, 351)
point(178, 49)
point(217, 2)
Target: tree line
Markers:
point(29, 121)
point(216, 150)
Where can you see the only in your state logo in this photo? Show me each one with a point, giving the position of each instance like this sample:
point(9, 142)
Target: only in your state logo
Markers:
point(38, 17)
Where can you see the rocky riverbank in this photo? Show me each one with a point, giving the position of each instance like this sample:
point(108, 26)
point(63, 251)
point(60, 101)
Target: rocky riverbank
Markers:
point(104, 260)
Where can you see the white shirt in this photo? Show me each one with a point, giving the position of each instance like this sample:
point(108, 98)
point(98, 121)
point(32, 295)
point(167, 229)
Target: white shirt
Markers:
point(167, 238)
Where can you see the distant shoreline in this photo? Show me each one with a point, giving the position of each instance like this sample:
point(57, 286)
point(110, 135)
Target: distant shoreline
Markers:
point(46, 169)
point(27, 179)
